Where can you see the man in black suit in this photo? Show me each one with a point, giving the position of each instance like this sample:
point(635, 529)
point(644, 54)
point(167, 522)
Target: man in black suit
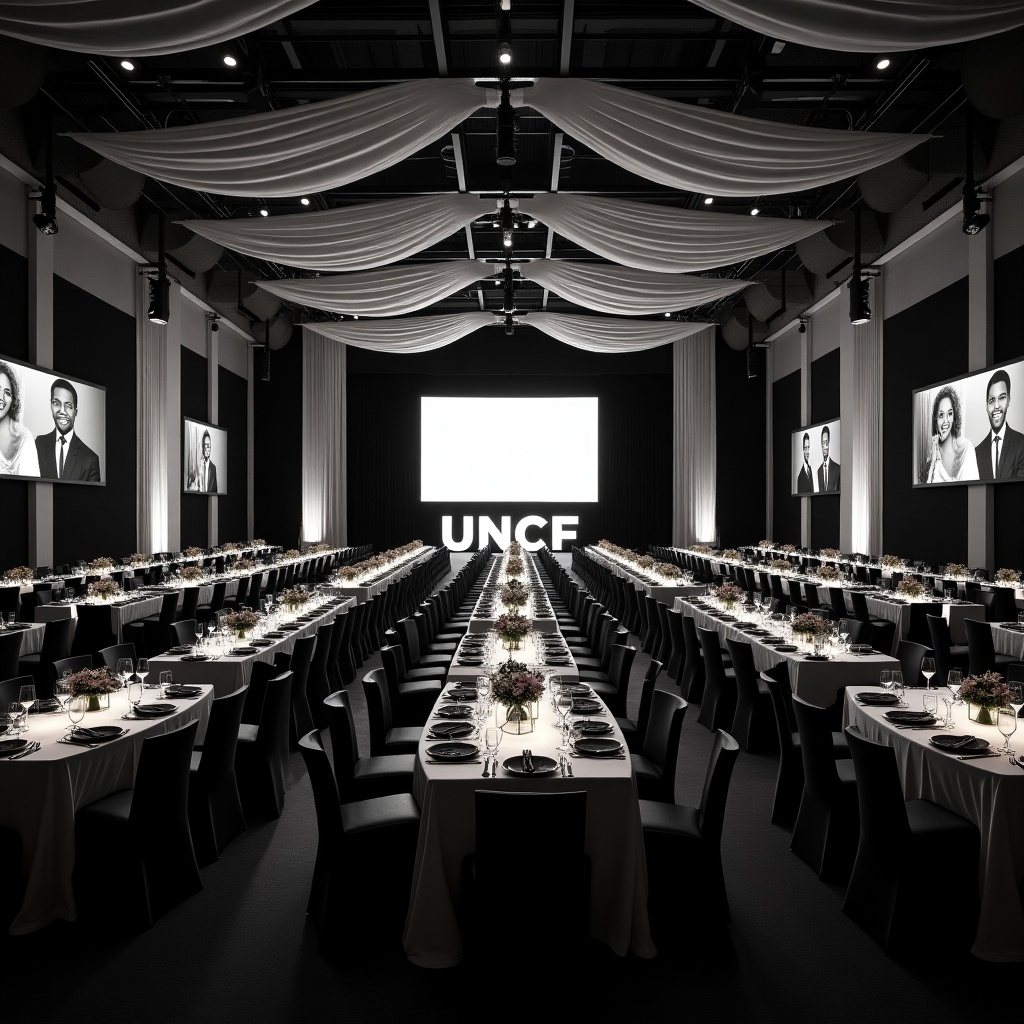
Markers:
point(63, 455)
point(805, 481)
point(206, 474)
point(828, 471)
point(1001, 454)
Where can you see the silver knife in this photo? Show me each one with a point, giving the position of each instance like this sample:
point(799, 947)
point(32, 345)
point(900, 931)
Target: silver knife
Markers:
point(974, 757)
point(30, 749)
point(568, 768)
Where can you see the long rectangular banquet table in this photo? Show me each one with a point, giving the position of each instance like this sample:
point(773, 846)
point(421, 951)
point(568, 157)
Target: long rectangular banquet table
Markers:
point(614, 838)
point(121, 613)
point(666, 593)
point(988, 791)
point(229, 672)
point(817, 682)
point(362, 592)
point(31, 637)
point(40, 793)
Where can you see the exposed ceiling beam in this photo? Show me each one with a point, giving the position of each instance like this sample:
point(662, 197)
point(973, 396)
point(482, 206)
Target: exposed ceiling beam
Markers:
point(437, 28)
point(568, 18)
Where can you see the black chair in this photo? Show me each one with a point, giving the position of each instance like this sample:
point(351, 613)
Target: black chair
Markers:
point(385, 736)
point(918, 632)
point(301, 658)
point(183, 632)
point(31, 601)
point(40, 665)
point(152, 634)
point(110, 656)
point(208, 612)
point(214, 806)
point(615, 690)
point(904, 854)
point(691, 685)
point(375, 838)
point(362, 778)
point(825, 831)
point(854, 630)
point(718, 706)
point(189, 604)
point(318, 684)
point(789, 780)
point(411, 701)
point(1004, 605)
point(261, 756)
point(753, 724)
point(634, 730)
point(145, 832)
point(75, 664)
point(10, 652)
point(946, 655)
point(94, 630)
point(982, 651)
point(910, 657)
point(655, 765)
point(683, 846)
point(881, 632)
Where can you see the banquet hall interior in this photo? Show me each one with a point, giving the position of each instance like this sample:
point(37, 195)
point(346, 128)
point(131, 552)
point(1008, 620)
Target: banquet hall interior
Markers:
point(682, 281)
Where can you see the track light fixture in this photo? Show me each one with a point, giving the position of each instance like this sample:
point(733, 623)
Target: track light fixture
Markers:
point(160, 286)
point(974, 220)
point(46, 219)
point(860, 308)
point(505, 33)
point(505, 153)
point(507, 221)
point(212, 319)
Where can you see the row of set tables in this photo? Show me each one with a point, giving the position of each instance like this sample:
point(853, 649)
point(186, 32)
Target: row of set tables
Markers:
point(489, 606)
point(660, 588)
point(363, 590)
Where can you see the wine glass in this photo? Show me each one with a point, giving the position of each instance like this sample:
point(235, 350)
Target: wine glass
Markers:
point(166, 680)
point(954, 680)
point(142, 670)
point(930, 703)
point(76, 712)
point(492, 741)
point(124, 670)
point(27, 699)
point(14, 713)
point(63, 687)
point(134, 694)
point(1006, 722)
point(885, 679)
point(897, 685)
point(564, 708)
point(927, 670)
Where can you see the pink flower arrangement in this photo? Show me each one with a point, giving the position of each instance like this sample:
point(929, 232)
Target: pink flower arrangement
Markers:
point(105, 588)
point(511, 626)
point(92, 681)
point(517, 687)
point(809, 624)
point(192, 574)
point(985, 691)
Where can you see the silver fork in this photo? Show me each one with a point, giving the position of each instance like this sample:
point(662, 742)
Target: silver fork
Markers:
point(485, 774)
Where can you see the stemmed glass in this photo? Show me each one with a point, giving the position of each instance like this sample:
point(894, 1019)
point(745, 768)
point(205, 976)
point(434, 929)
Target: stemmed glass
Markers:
point(142, 670)
point(1006, 722)
point(927, 670)
point(564, 708)
point(124, 670)
point(200, 633)
point(27, 698)
point(897, 685)
point(14, 715)
point(76, 712)
point(954, 680)
point(492, 741)
point(134, 694)
point(885, 679)
point(63, 687)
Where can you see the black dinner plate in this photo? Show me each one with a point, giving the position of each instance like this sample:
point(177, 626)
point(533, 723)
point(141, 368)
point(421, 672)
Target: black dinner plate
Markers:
point(541, 765)
point(860, 648)
point(585, 706)
point(263, 643)
point(276, 635)
point(451, 730)
point(910, 717)
point(881, 700)
point(471, 661)
point(154, 710)
point(577, 689)
point(591, 728)
point(452, 751)
point(99, 733)
point(597, 747)
point(174, 690)
point(786, 648)
point(12, 746)
point(454, 711)
point(815, 657)
point(956, 745)
point(195, 657)
point(181, 649)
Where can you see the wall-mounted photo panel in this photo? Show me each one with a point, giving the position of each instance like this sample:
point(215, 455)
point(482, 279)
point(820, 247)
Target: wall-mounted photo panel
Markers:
point(814, 465)
point(969, 429)
point(52, 427)
point(204, 458)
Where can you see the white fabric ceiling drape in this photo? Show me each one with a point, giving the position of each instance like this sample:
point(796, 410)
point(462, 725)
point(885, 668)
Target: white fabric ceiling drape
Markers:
point(151, 520)
point(138, 28)
point(349, 238)
point(870, 25)
point(388, 291)
point(664, 239)
point(601, 334)
point(696, 148)
point(324, 441)
point(694, 441)
point(301, 149)
point(625, 291)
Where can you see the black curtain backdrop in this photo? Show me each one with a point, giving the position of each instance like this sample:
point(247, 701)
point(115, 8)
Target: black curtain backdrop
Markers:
point(740, 404)
point(277, 437)
point(14, 343)
point(195, 508)
point(96, 342)
point(825, 388)
point(785, 419)
point(1008, 499)
point(635, 435)
point(924, 344)
point(232, 517)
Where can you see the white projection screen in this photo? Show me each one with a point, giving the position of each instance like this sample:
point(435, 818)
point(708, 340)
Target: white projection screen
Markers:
point(502, 449)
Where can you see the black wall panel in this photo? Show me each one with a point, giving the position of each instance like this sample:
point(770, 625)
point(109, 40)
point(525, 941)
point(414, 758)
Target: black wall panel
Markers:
point(96, 342)
point(924, 344)
point(741, 417)
point(785, 419)
point(825, 403)
point(195, 508)
point(232, 519)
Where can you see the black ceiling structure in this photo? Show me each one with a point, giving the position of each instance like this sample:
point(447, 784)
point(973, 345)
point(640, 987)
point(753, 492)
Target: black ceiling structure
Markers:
point(669, 49)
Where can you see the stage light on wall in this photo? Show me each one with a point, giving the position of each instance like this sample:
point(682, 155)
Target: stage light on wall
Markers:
point(46, 218)
point(505, 151)
point(860, 309)
point(974, 220)
point(803, 325)
point(160, 298)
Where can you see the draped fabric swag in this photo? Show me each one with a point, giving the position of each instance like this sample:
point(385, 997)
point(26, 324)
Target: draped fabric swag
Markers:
point(703, 150)
point(131, 28)
point(426, 333)
point(301, 149)
point(695, 446)
point(664, 239)
point(324, 441)
point(866, 454)
point(325, 145)
point(151, 520)
point(398, 290)
point(870, 25)
point(358, 237)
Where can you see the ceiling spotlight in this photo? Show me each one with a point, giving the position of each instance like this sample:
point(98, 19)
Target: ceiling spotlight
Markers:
point(229, 60)
point(46, 219)
point(860, 309)
point(974, 220)
point(304, 200)
point(668, 314)
point(127, 65)
point(264, 212)
point(708, 200)
point(882, 63)
point(505, 53)
point(505, 34)
point(531, 223)
point(355, 316)
point(754, 211)
point(160, 298)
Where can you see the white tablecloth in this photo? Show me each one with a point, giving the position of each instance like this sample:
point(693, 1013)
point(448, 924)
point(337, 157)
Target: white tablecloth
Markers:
point(989, 792)
point(364, 591)
point(614, 844)
point(954, 614)
point(1008, 641)
point(31, 638)
point(666, 593)
point(40, 793)
point(120, 614)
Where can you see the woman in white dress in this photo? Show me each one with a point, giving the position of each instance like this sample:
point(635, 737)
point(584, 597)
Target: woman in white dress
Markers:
point(952, 457)
point(18, 456)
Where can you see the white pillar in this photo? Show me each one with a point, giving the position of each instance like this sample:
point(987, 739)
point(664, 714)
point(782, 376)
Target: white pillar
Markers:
point(980, 504)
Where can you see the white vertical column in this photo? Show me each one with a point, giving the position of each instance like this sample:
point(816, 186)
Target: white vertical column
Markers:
point(806, 350)
point(172, 354)
point(251, 445)
point(40, 351)
point(769, 444)
point(213, 409)
point(980, 504)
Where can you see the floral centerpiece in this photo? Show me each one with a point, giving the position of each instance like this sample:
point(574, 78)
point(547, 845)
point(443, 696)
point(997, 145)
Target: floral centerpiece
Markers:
point(703, 549)
point(94, 683)
point(514, 567)
point(291, 599)
point(240, 622)
point(289, 554)
point(891, 562)
point(515, 548)
point(781, 565)
point(910, 587)
point(829, 553)
point(348, 573)
point(192, 552)
point(137, 558)
point(18, 574)
point(808, 625)
point(983, 694)
point(668, 570)
point(728, 594)
point(829, 573)
point(646, 562)
point(766, 543)
point(514, 686)
point(229, 546)
point(257, 542)
point(101, 564)
point(104, 589)
point(511, 628)
point(788, 548)
point(956, 569)
point(1011, 576)
point(318, 549)
point(732, 554)
point(514, 594)
point(192, 574)
point(245, 565)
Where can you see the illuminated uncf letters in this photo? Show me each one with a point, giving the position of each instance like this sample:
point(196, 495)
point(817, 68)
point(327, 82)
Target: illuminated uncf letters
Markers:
point(502, 535)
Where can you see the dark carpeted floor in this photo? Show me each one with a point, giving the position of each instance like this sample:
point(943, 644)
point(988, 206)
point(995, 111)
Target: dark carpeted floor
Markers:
point(241, 950)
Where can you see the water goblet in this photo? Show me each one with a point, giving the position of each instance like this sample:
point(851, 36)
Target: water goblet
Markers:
point(63, 687)
point(76, 711)
point(1006, 723)
point(885, 679)
point(492, 741)
point(897, 685)
point(927, 670)
point(1016, 697)
point(947, 722)
point(930, 703)
point(954, 680)
point(124, 670)
point(142, 669)
point(14, 714)
point(166, 680)
point(564, 709)
point(134, 695)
